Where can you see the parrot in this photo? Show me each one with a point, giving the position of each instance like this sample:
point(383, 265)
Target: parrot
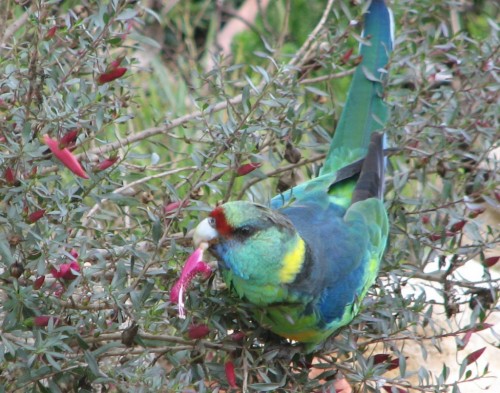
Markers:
point(306, 260)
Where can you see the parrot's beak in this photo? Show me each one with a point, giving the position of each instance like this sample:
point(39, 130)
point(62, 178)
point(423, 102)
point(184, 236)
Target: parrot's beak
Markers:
point(205, 233)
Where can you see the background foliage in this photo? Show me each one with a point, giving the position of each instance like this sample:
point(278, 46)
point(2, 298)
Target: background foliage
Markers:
point(175, 132)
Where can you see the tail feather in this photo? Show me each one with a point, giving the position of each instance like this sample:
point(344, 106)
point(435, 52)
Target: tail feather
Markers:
point(364, 111)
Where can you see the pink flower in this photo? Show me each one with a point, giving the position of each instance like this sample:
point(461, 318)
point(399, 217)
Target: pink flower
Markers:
point(115, 63)
point(198, 331)
point(458, 226)
point(230, 374)
point(10, 177)
point(38, 282)
point(44, 320)
point(173, 206)
point(65, 156)
point(491, 261)
point(106, 163)
point(247, 168)
point(50, 33)
point(69, 139)
point(194, 265)
point(74, 254)
point(111, 75)
point(35, 216)
point(66, 271)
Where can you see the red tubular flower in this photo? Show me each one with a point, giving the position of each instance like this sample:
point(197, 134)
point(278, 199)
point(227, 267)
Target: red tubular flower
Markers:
point(491, 261)
point(111, 75)
point(65, 156)
point(230, 374)
point(10, 177)
point(458, 226)
point(476, 212)
point(38, 282)
point(50, 33)
point(194, 265)
point(247, 168)
point(198, 331)
point(66, 271)
point(472, 357)
point(74, 254)
point(237, 336)
point(106, 163)
point(434, 236)
point(391, 389)
point(173, 206)
point(35, 216)
point(346, 56)
point(115, 63)
point(44, 320)
point(69, 139)
point(381, 358)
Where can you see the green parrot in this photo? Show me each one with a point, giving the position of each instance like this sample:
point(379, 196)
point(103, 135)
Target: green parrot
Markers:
point(306, 261)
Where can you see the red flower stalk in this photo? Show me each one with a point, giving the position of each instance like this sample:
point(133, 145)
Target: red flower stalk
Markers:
point(65, 156)
point(111, 75)
point(247, 168)
point(230, 374)
point(66, 271)
point(10, 177)
point(106, 163)
point(194, 265)
point(38, 282)
point(198, 331)
point(44, 320)
point(35, 216)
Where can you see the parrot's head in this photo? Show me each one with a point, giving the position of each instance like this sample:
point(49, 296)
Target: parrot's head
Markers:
point(252, 241)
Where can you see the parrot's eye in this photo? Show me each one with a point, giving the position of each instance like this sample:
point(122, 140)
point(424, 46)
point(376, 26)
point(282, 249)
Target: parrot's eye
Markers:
point(244, 231)
point(211, 222)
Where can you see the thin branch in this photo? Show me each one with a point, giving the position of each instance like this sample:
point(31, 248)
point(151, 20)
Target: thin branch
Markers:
point(11, 30)
point(277, 171)
point(145, 179)
point(322, 78)
point(320, 26)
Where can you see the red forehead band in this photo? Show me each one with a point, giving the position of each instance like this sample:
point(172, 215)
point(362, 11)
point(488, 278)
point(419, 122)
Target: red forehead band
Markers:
point(221, 223)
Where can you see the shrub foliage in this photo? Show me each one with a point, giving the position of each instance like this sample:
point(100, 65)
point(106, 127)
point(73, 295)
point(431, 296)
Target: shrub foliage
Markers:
point(95, 226)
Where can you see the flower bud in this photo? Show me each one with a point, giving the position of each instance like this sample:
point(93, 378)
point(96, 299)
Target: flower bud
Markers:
point(198, 331)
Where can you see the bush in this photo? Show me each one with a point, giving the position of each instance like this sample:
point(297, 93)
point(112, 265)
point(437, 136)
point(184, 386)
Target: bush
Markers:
point(87, 263)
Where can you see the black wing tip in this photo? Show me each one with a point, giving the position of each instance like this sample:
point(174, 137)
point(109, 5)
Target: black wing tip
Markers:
point(371, 180)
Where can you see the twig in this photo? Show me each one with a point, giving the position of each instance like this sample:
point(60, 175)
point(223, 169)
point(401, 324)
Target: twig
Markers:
point(322, 78)
point(212, 109)
point(277, 171)
point(303, 49)
point(15, 26)
point(145, 179)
